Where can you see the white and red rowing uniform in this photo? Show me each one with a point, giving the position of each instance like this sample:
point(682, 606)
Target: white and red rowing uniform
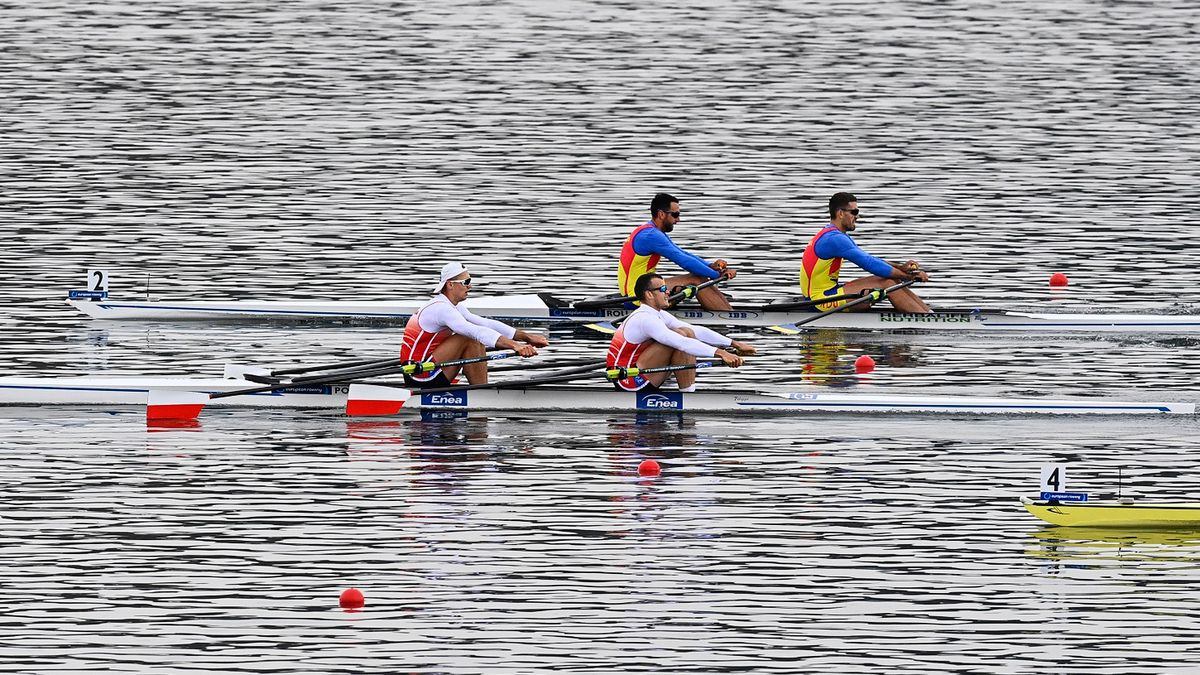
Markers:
point(647, 326)
point(437, 320)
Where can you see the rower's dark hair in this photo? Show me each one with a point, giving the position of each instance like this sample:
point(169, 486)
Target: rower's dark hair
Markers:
point(643, 283)
point(840, 201)
point(661, 202)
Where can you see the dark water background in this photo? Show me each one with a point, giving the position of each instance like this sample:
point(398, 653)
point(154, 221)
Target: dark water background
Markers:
point(345, 150)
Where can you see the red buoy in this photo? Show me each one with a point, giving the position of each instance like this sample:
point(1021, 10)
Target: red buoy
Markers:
point(352, 598)
point(649, 467)
point(864, 364)
point(1059, 279)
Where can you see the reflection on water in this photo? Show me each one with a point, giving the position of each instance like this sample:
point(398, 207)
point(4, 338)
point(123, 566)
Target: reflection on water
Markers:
point(1091, 546)
point(828, 356)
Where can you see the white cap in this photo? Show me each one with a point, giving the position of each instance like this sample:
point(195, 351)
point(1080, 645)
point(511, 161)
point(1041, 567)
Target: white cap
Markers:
point(449, 271)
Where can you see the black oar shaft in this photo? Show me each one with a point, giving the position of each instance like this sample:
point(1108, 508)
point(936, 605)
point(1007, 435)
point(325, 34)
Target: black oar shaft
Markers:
point(389, 364)
point(873, 296)
point(689, 291)
point(592, 363)
point(332, 366)
point(365, 372)
point(631, 371)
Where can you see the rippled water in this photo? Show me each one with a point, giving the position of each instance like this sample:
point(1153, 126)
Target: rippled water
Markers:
point(344, 150)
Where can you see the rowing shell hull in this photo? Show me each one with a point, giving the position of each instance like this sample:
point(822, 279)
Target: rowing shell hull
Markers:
point(133, 391)
point(532, 308)
point(504, 307)
point(1100, 514)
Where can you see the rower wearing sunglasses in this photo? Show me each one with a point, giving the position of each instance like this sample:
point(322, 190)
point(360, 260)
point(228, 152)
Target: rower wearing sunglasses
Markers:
point(823, 260)
point(444, 330)
point(652, 337)
point(649, 243)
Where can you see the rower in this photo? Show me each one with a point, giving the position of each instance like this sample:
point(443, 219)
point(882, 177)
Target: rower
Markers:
point(652, 337)
point(647, 244)
point(444, 330)
point(823, 259)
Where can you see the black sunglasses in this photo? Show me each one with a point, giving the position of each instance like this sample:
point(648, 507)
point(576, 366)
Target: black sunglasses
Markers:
point(851, 211)
point(673, 214)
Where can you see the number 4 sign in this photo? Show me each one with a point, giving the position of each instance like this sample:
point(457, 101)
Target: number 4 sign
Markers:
point(1054, 485)
point(1054, 478)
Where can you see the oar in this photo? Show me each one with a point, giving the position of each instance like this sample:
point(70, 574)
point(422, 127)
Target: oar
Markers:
point(685, 293)
point(334, 366)
point(800, 304)
point(875, 295)
point(387, 398)
point(622, 373)
point(369, 369)
point(691, 291)
point(589, 363)
point(342, 377)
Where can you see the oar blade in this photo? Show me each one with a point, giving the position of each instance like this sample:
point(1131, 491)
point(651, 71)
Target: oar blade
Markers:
point(373, 400)
point(234, 371)
point(167, 404)
point(786, 329)
point(605, 327)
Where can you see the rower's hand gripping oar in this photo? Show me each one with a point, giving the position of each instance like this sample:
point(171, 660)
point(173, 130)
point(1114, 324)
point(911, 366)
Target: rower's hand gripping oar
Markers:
point(620, 373)
point(873, 295)
point(691, 290)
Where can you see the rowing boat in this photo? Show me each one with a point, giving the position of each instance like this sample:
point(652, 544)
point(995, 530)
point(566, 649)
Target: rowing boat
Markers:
point(134, 390)
point(1123, 513)
point(544, 308)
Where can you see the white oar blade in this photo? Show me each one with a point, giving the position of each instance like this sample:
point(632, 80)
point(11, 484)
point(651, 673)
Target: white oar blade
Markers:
point(372, 400)
point(166, 404)
point(236, 372)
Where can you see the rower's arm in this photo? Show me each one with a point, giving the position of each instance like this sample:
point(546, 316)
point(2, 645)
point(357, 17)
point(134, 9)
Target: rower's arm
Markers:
point(463, 322)
point(838, 245)
point(653, 241)
point(705, 335)
point(658, 331)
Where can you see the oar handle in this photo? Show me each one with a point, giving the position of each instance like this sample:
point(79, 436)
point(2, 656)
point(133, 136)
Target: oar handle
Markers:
point(691, 290)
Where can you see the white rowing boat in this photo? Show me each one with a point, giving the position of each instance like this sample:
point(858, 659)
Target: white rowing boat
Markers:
point(543, 308)
point(134, 390)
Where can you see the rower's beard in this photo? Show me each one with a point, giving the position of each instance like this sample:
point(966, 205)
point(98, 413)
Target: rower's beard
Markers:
point(667, 227)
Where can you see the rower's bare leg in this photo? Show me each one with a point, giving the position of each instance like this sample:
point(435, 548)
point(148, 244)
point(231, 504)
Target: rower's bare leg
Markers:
point(462, 347)
point(684, 378)
point(656, 356)
point(904, 300)
point(710, 298)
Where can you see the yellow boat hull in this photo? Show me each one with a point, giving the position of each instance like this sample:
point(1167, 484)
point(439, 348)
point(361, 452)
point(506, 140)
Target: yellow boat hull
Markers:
point(1108, 514)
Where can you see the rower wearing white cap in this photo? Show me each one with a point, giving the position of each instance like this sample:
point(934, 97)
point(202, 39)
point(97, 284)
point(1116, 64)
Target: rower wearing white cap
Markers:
point(444, 330)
